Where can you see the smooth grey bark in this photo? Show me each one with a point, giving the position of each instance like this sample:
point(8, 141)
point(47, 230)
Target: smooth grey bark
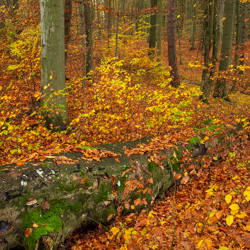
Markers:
point(152, 31)
point(243, 31)
point(178, 32)
point(117, 31)
point(159, 20)
point(67, 23)
point(237, 43)
point(185, 18)
point(175, 82)
point(205, 83)
point(88, 17)
point(83, 44)
point(221, 5)
point(221, 87)
point(109, 22)
point(53, 64)
point(195, 16)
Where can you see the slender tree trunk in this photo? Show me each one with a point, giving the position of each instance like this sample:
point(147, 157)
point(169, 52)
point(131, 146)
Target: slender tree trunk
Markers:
point(159, 30)
point(89, 36)
point(53, 64)
point(195, 15)
point(243, 31)
point(117, 30)
point(178, 32)
point(171, 45)
point(237, 44)
point(221, 88)
point(109, 22)
point(185, 18)
point(67, 22)
point(83, 44)
point(152, 32)
point(205, 83)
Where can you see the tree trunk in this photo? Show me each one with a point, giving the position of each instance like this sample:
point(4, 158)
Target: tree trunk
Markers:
point(89, 36)
point(171, 45)
point(152, 31)
point(53, 64)
point(205, 83)
point(195, 16)
point(221, 88)
point(67, 23)
point(159, 20)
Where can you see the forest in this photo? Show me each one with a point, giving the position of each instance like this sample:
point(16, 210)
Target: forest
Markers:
point(124, 124)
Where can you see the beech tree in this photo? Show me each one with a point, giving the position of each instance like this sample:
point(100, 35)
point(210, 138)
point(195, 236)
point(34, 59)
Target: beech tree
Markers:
point(171, 44)
point(221, 88)
point(53, 98)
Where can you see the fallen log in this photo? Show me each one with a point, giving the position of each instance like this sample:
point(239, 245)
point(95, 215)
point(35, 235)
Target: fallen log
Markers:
point(42, 203)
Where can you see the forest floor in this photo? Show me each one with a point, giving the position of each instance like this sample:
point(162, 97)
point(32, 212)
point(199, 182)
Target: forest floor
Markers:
point(128, 100)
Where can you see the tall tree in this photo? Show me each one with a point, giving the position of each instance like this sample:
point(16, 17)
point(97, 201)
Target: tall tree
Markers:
point(88, 15)
point(221, 87)
point(206, 82)
point(67, 22)
point(159, 20)
point(53, 63)
point(171, 44)
point(152, 31)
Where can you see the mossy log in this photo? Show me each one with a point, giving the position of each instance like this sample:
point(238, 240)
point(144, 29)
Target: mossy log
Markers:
point(74, 194)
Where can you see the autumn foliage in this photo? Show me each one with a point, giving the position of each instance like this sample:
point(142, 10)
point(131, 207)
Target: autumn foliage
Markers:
point(128, 99)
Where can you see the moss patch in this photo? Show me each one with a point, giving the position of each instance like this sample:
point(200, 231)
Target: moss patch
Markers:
point(47, 223)
point(151, 166)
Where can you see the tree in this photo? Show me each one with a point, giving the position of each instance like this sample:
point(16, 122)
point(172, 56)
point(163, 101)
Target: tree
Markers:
point(53, 64)
point(67, 22)
point(159, 30)
point(171, 44)
point(88, 15)
point(221, 88)
point(207, 27)
point(152, 31)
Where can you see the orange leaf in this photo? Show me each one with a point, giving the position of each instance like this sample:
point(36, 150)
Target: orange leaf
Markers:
point(27, 232)
point(83, 180)
point(117, 159)
point(185, 180)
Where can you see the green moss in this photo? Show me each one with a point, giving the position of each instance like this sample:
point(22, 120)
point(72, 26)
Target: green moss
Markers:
point(45, 165)
point(66, 188)
point(103, 193)
point(47, 223)
point(103, 214)
point(151, 166)
point(122, 180)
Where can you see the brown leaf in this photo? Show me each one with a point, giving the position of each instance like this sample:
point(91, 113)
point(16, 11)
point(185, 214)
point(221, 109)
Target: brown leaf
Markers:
point(27, 232)
point(45, 205)
point(185, 180)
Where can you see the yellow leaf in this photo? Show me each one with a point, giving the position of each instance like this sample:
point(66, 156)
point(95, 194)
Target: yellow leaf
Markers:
point(229, 220)
point(233, 212)
point(126, 235)
point(247, 227)
point(234, 206)
point(132, 207)
point(199, 244)
point(228, 198)
point(235, 177)
point(115, 230)
point(247, 195)
point(241, 216)
point(223, 248)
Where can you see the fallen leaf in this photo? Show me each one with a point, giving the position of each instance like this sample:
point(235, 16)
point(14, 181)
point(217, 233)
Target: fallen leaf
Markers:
point(27, 232)
point(229, 220)
point(185, 180)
